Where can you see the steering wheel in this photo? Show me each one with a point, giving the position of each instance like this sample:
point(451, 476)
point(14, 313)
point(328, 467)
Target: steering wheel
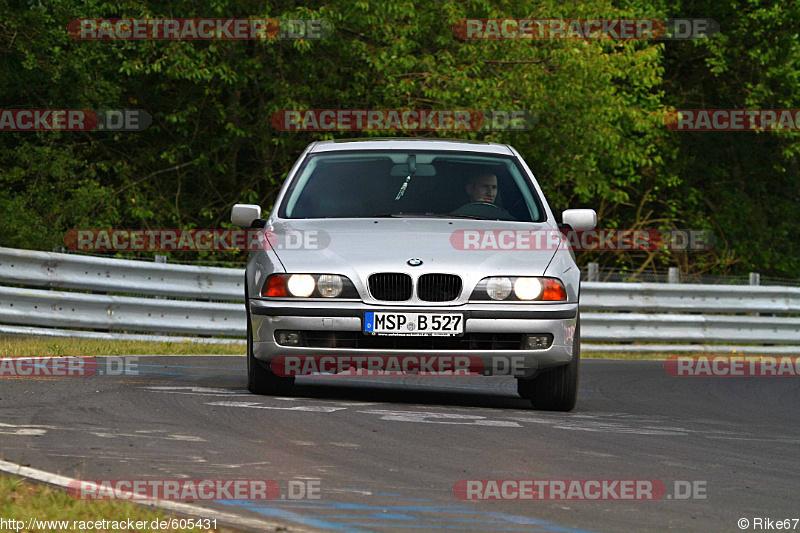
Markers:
point(481, 206)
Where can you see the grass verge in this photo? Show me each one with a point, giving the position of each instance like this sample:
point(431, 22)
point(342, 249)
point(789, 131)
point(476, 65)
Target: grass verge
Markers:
point(46, 347)
point(627, 355)
point(23, 500)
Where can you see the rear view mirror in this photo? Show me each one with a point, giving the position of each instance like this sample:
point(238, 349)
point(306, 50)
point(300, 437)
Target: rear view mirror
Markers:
point(418, 170)
point(243, 215)
point(580, 219)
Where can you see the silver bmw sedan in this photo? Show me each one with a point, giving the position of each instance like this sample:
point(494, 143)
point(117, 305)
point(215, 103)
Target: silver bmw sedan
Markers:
point(415, 256)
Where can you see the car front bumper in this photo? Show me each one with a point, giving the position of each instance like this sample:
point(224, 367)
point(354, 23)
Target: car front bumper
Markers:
point(346, 318)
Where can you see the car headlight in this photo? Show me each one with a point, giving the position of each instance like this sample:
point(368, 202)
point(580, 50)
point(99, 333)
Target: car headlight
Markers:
point(498, 288)
point(330, 285)
point(301, 285)
point(526, 289)
point(308, 286)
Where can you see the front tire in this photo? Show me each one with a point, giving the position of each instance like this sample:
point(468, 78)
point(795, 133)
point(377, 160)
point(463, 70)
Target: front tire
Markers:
point(259, 379)
point(555, 389)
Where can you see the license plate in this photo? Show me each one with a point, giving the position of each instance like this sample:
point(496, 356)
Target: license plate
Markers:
point(427, 324)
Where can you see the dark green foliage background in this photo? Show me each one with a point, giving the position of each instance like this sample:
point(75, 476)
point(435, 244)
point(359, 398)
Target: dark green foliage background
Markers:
point(600, 140)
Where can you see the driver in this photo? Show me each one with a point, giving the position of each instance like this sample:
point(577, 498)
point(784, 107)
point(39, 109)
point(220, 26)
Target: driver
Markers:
point(482, 188)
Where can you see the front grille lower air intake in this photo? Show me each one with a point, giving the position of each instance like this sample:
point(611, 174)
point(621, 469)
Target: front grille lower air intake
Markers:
point(438, 287)
point(390, 286)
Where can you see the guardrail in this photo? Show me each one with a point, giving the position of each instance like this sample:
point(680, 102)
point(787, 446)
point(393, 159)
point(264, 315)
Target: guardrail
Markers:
point(678, 317)
point(84, 273)
point(119, 313)
point(676, 298)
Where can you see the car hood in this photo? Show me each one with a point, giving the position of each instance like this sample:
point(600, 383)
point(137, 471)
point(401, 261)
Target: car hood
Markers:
point(360, 247)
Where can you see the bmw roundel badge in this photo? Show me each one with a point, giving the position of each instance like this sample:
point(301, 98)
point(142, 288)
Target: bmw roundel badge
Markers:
point(414, 262)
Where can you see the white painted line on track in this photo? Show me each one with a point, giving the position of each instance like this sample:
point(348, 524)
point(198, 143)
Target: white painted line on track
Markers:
point(176, 507)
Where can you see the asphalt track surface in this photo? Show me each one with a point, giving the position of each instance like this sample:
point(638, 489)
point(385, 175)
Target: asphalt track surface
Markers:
point(388, 451)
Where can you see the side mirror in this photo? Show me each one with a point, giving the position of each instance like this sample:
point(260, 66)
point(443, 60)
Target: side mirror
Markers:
point(579, 219)
point(243, 215)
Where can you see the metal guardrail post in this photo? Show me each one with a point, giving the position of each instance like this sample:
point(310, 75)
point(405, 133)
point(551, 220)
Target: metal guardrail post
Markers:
point(674, 275)
point(594, 272)
point(160, 259)
point(755, 278)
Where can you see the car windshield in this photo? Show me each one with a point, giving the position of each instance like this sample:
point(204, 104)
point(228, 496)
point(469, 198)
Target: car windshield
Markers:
point(395, 183)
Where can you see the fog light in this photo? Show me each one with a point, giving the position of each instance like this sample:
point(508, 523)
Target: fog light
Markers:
point(538, 342)
point(288, 338)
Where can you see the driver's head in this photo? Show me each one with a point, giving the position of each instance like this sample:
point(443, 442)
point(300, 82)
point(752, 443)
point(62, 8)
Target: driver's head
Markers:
point(482, 188)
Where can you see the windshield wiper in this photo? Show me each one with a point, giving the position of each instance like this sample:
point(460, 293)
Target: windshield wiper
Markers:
point(429, 215)
point(448, 215)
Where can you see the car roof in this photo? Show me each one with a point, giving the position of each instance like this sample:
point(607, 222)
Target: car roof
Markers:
point(409, 143)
